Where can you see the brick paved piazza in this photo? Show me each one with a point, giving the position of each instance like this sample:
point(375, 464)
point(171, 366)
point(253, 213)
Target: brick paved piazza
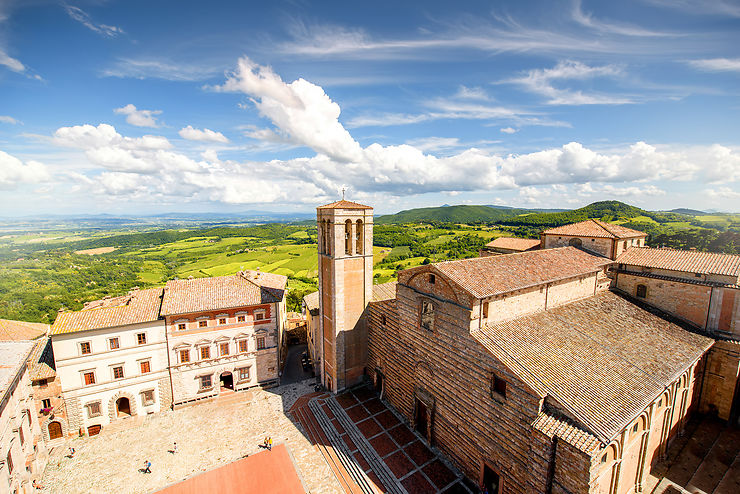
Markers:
point(208, 435)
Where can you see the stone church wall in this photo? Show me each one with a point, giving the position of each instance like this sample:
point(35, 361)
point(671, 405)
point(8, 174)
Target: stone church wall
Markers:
point(720, 379)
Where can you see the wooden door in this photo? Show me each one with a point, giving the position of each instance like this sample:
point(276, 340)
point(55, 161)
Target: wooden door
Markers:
point(421, 418)
point(55, 430)
point(93, 430)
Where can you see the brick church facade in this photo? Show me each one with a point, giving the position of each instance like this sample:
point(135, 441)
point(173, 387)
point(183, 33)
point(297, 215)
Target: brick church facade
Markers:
point(546, 370)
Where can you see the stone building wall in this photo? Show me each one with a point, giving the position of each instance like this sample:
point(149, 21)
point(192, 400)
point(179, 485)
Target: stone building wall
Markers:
point(720, 380)
point(51, 390)
point(686, 301)
point(603, 246)
point(452, 373)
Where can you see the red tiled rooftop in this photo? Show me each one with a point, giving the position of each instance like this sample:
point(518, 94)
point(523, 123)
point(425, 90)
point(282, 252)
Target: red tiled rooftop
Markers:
point(136, 307)
point(487, 276)
point(343, 204)
point(512, 243)
point(21, 330)
point(690, 261)
point(222, 292)
point(595, 228)
point(267, 472)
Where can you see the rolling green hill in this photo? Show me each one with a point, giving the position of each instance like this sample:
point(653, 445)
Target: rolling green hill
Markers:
point(451, 214)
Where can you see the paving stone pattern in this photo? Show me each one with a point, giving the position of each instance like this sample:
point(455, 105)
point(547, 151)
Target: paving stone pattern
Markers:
point(208, 435)
point(415, 466)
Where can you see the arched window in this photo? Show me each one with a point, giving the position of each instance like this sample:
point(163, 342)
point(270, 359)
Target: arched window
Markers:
point(328, 238)
point(359, 238)
point(641, 291)
point(320, 236)
point(348, 237)
point(575, 242)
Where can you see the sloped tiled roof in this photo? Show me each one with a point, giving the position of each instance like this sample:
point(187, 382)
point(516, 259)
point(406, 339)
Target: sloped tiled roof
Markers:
point(594, 228)
point(13, 355)
point(512, 243)
point(222, 292)
point(486, 276)
point(603, 358)
point(552, 426)
point(384, 291)
point(41, 362)
point(21, 330)
point(344, 205)
point(136, 307)
point(312, 301)
point(690, 261)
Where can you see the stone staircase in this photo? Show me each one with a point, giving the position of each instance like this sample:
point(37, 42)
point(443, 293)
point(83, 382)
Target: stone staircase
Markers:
point(708, 462)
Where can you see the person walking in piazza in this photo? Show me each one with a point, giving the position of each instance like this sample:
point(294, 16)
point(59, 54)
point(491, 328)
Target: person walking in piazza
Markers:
point(174, 448)
point(147, 466)
point(269, 443)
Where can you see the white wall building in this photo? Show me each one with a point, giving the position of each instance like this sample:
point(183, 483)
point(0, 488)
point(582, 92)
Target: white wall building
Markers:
point(111, 359)
point(224, 333)
point(23, 452)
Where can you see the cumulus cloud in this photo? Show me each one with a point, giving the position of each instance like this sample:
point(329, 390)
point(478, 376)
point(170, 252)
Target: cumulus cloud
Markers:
point(8, 119)
point(84, 18)
point(302, 113)
point(13, 171)
point(12, 63)
point(509, 130)
point(541, 81)
point(202, 135)
point(139, 118)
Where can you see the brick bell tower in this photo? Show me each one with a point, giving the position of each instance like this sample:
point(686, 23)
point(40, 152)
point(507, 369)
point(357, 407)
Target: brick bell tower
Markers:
point(345, 237)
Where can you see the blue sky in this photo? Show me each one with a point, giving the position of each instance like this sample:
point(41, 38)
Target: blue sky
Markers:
point(142, 107)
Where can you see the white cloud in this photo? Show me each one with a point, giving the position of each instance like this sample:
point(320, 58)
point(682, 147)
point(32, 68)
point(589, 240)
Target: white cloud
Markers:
point(587, 20)
point(465, 92)
point(140, 118)
point(202, 135)
point(541, 81)
point(160, 69)
point(8, 119)
point(509, 130)
point(722, 193)
point(13, 171)
point(84, 18)
point(12, 63)
point(717, 64)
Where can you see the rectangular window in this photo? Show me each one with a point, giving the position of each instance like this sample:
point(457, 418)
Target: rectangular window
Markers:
point(202, 324)
point(224, 347)
point(259, 316)
point(641, 291)
point(46, 403)
point(243, 346)
point(244, 374)
point(205, 382)
point(118, 372)
point(145, 367)
point(222, 320)
point(261, 343)
point(20, 434)
point(240, 318)
point(485, 310)
point(89, 378)
point(28, 414)
point(42, 383)
point(182, 326)
point(113, 343)
point(93, 409)
point(498, 387)
point(427, 315)
point(205, 352)
point(184, 356)
point(10, 461)
point(141, 338)
point(147, 397)
point(85, 348)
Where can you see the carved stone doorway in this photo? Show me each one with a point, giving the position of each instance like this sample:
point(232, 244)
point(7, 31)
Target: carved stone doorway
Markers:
point(123, 407)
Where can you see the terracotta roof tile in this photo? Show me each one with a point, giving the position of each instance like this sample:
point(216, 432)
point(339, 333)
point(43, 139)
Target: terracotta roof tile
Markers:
point(690, 261)
point(344, 205)
point(384, 291)
point(511, 243)
point(13, 355)
point(595, 228)
point(486, 276)
point(312, 301)
point(603, 358)
point(222, 292)
point(41, 362)
point(564, 429)
point(136, 307)
point(21, 330)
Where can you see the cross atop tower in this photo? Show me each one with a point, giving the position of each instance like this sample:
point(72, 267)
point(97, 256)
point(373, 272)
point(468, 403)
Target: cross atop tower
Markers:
point(343, 190)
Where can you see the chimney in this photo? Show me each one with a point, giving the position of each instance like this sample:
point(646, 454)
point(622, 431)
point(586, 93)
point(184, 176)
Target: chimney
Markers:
point(191, 277)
